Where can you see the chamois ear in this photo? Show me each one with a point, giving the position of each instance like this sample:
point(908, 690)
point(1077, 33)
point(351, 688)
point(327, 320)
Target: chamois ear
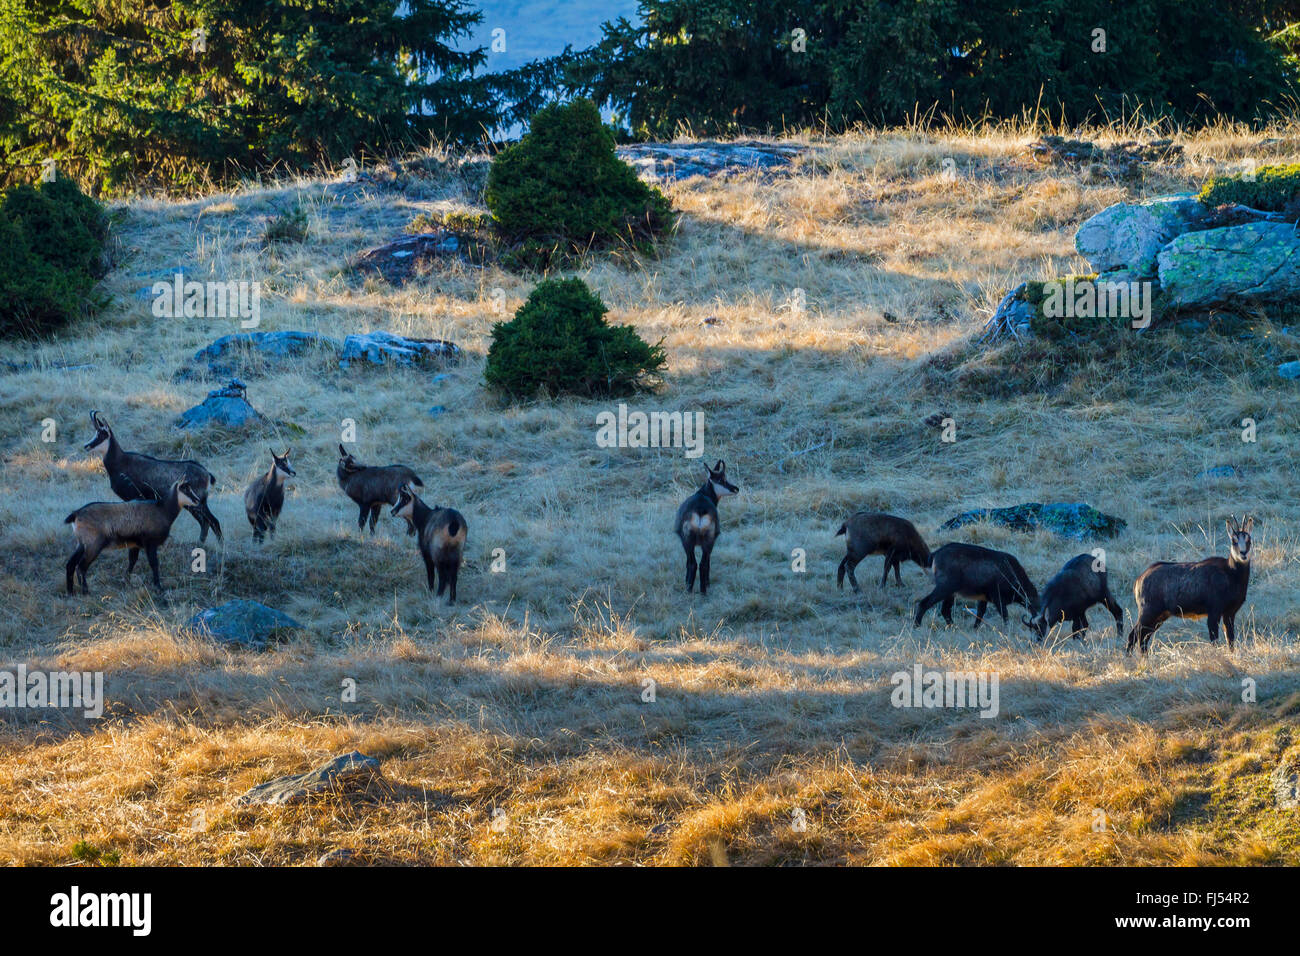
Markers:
point(272, 451)
point(343, 452)
point(1250, 523)
point(1232, 525)
point(721, 466)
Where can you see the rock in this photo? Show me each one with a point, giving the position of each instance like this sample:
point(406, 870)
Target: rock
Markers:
point(1077, 521)
point(225, 406)
point(1011, 319)
point(438, 410)
point(256, 351)
point(1131, 235)
point(402, 259)
point(675, 161)
point(1256, 261)
point(354, 770)
point(242, 624)
point(340, 857)
point(1220, 471)
point(1286, 786)
point(380, 348)
point(1289, 370)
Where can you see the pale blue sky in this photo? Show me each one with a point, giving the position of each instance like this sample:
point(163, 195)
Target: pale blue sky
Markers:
point(539, 28)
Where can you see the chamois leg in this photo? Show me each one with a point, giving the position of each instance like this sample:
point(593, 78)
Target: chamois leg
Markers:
point(839, 572)
point(846, 567)
point(450, 571)
point(374, 515)
point(361, 518)
point(1118, 612)
point(1212, 625)
point(690, 565)
point(946, 608)
point(151, 552)
point(87, 560)
point(429, 569)
point(132, 556)
point(705, 551)
point(889, 559)
point(898, 574)
point(979, 612)
point(73, 563)
point(1230, 625)
point(929, 601)
point(1079, 627)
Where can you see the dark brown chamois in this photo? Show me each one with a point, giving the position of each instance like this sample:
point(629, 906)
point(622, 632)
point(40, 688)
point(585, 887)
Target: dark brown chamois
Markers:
point(138, 477)
point(131, 524)
point(441, 533)
point(697, 523)
point(870, 532)
point(373, 486)
point(1068, 595)
point(1213, 589)
point(981, 574)
point(264, 498)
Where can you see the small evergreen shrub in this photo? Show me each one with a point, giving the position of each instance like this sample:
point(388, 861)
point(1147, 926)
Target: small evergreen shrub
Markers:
point(52, 240)
point(289, 226)
point(1273, 189)
point(561, 190)
point(558, 343)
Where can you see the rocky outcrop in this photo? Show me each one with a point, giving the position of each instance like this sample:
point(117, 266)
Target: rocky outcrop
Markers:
point(254, 352)
point(1077, 521)
point(1257, 260)
point(353, 771)
point(1130, 235)
point(674, 161)
point(385, 348)
point(242, 623)
point(226, 406)
point(403, 259)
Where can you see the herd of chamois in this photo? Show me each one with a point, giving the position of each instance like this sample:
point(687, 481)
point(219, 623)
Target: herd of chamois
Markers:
point(154, 491)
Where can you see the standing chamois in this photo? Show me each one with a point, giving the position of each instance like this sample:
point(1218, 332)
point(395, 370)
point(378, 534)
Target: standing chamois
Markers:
point(981, 574)
point(441, 535)
point(1068, 595)
point(1214, 588)
point(373, 486)
point(697, 522)
point(137, 477)
point(132, 525)
point(869, 532)
point(264, 498)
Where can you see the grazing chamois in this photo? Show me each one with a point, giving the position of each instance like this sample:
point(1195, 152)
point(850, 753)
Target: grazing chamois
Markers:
point(138, 477)
point(264, 498)
point(1068, 595)
point(441, 535)
point(131, 524)
point(697, 523)
point(1214, 588)
point(373, 486)
point(869, 532)
point(981, 574)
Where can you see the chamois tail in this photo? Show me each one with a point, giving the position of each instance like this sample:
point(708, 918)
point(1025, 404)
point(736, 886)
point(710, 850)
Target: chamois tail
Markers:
point(843, 528)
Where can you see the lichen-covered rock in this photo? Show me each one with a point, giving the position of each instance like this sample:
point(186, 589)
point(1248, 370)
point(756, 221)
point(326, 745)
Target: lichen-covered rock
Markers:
point(1256, 261)
point(402, 259)
point(352, 770)
point(674, 161)
point(1131, 235)
point(243, 624)
point(226, 406)
point(249, 352)
point(1077, 521)
point(1286, 786)
point(384, 348)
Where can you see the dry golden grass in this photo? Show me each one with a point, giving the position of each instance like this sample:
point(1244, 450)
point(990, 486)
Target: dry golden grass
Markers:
point(773, 693)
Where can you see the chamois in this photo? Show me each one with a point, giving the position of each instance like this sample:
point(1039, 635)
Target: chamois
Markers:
point(264, 498)
point(979, 573)
point(441, 536)
point(131, 524)
point(869, 532)
point(697, 522)
point(1214, 588)
point(373, 486)
point(1068, 595)
point(138, 477)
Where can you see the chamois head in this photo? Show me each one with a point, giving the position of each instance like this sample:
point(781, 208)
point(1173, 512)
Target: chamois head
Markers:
point(1239, 538)
point(185, 495)
point(347, 464)
point(718, 478)
point(282, 463)
point(102, 433)
point(404, 503)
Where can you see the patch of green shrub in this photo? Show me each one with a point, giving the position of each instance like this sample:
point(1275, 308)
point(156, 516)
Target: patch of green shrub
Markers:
point(52, 241)
point(1271, 188)
point(289, 226)
point(559, 343)
point(562, 190)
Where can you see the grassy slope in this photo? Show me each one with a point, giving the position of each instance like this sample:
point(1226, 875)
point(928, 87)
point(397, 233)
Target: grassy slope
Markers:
point(772, 693)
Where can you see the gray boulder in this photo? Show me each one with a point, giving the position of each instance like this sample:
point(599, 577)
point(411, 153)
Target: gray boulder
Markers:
point(353, 770)
point(674, 161)
point(243, 624)
point(385, 348)
point(1286, 786)
point(1257, 260)
point(1077, 521)
point(226, 406)
point(405, 258)
point(254, 351)
point(1131, 235)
